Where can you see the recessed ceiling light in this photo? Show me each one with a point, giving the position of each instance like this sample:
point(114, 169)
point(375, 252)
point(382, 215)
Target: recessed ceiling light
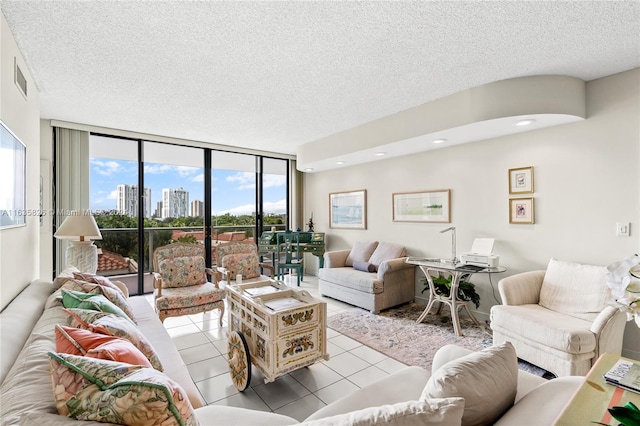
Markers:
point(381, 154)
point(439, 140)
point(308, 169)
point(525, 122)
point(339, 163)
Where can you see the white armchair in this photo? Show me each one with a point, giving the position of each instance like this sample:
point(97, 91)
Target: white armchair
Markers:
point(558, 319)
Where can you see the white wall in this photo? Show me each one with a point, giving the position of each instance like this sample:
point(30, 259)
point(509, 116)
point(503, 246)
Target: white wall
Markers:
point(19, 260)
point(586, 179)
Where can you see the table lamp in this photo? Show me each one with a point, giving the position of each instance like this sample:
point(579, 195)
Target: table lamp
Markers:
point(80, 229)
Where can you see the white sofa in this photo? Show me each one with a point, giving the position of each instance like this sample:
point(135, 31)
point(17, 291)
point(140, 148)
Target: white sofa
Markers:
point(396, 399)
point(26, 395)
point(371, 275)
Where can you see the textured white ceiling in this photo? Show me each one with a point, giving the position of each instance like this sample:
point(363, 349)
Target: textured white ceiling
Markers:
point(274, 75)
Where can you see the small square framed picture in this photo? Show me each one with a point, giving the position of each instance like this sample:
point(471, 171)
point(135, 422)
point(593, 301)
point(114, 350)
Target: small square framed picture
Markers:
point(521, 210)
point(521, 180)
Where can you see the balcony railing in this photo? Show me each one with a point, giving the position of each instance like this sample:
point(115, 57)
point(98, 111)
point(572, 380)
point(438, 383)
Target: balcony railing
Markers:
point(119, 248)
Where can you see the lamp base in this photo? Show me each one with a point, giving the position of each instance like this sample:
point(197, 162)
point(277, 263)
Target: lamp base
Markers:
point(83, 255)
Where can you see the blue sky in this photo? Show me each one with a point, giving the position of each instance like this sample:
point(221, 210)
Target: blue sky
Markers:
point(233, 191)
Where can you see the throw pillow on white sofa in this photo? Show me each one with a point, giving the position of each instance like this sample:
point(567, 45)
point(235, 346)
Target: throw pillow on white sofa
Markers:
point(487, 380)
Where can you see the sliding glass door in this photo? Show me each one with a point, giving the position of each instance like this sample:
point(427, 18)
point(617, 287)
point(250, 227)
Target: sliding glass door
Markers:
point(174, 198)
point(146, 194)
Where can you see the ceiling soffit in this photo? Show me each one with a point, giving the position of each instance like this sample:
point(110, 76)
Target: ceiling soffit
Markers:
point(480, 113)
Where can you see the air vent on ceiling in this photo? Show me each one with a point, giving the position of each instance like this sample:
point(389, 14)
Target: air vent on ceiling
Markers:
point(19, 78)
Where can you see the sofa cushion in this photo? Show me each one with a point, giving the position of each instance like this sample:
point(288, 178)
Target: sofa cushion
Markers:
point(404, 385)
point(367, 282)
point(487, 380)
point(437, 411)
point(115, 392)
point(549, 328)
point(27, 386)
point(386, 251)
point(364, 266)
point(113, 325)
point(187, 297)
point(574, 289)
point(223, 415)
point(362, 251)
point(76, 341)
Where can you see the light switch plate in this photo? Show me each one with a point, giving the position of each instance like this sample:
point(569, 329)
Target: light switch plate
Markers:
point(622, 229)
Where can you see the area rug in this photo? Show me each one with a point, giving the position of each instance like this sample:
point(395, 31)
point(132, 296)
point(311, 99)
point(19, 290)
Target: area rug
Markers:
point(395, 333)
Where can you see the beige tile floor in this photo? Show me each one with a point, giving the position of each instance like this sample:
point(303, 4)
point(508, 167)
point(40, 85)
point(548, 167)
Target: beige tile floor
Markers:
point(203, 346)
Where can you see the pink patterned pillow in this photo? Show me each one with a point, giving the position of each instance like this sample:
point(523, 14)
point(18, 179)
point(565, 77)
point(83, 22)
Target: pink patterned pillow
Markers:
point(242, 263)
point(113, 325)
point(183, 271)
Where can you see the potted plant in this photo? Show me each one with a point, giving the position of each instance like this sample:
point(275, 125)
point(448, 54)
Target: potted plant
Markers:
point(466, 290)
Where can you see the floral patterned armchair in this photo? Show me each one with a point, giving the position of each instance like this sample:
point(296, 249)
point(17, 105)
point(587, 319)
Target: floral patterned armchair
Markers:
point(180, 282)
point(240, 257)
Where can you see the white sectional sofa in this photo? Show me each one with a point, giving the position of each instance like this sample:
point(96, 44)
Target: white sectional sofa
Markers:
point(26, 394)
point(371, 275)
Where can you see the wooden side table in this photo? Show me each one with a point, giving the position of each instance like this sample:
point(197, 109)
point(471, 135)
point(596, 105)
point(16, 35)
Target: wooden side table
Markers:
point(590, 402)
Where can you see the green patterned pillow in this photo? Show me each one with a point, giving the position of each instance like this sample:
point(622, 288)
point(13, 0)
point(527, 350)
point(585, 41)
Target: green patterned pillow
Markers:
point(113, 325)
point(114, 296)
point(114, 392)
point(96, 302)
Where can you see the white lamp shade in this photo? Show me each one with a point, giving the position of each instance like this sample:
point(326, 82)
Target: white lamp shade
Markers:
point(78, 226)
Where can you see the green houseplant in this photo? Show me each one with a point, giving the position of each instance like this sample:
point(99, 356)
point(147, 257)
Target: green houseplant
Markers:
point(466, 290)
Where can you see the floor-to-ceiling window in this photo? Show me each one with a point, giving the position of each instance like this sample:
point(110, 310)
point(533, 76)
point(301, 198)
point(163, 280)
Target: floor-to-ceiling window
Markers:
point(233, 196)
point(145, 194)
point(113, 199)
point(174, 198)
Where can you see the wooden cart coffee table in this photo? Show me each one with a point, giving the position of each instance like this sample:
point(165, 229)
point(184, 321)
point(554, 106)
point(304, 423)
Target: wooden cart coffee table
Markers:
point(275, 328)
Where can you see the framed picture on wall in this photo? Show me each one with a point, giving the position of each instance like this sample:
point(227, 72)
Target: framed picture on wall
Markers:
point(521, 210)
point(13, 175)
point(521, 180)
point(348, 209)
point(424, 206)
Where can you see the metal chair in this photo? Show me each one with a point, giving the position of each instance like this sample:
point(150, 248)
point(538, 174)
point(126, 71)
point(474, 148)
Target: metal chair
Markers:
point(180, 282)
point(289, 255)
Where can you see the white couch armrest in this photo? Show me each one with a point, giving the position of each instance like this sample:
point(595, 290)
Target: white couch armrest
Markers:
point(521, 289)
point(336, 258)
point(403, 385)
point(609, 330)
point(393, 265)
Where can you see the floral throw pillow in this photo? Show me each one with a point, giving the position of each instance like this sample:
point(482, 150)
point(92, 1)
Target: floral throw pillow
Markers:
point(115, 296)
point(113, 325)
point(183, 271)
point(114, 392)
point(97, 302)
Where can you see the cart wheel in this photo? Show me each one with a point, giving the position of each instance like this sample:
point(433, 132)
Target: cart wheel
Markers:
point(239, 361)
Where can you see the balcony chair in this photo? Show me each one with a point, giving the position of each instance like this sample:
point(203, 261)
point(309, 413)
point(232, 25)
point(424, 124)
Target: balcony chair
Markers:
point(180, 282)
point(558, 319)
point(289, 255)
point(240, 257)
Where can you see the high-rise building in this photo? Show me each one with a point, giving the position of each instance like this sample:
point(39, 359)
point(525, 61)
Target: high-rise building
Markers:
point(197, 208)
point(127, 202)
point(175, 202)
point(158, 212)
